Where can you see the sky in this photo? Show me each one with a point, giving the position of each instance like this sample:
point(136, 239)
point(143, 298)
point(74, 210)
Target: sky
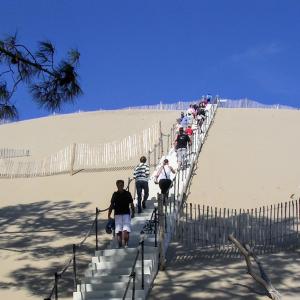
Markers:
point(146, 52)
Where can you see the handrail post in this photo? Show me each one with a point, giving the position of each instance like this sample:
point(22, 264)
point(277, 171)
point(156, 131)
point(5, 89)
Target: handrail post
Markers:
point(128, 184)
point(55, 285)
point(142, 247)
point(74, 267)
point(168, 143)
point(155, 227)
point(161, 233)
point(166, 211)
point(175, 187)
point(96, 228)
point(133, 285)
point(161, 140)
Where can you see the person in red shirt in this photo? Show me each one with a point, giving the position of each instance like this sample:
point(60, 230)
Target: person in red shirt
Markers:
point(189, 131)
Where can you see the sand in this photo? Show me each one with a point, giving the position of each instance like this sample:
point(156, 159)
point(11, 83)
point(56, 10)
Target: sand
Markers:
point(40, 218)
point(250, 159)
point(207, 275)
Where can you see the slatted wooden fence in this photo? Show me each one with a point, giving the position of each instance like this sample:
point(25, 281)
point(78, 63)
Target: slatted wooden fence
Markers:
point(11, 153)
point(84, 156)
point(265, 228)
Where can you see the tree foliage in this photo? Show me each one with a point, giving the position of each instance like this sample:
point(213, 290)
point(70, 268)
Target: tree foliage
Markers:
point(50, 83)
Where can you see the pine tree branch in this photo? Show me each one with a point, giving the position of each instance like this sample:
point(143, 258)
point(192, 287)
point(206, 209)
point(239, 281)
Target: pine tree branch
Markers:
point(26, 61)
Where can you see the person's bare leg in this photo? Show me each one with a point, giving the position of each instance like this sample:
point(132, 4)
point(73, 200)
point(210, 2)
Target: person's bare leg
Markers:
point(119, 238)
point(126, 237)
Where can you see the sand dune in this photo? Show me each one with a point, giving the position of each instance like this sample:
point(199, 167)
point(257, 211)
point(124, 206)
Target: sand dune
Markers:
point(47, 135)
point(250, 159)
point(40, 218)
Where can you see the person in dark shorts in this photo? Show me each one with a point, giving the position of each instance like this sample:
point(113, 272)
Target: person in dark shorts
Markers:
point(181, 142)
point(163, 177)
point(120, 202)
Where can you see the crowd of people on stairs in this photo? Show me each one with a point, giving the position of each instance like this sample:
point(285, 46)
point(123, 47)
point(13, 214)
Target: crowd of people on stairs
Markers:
point(122, 201)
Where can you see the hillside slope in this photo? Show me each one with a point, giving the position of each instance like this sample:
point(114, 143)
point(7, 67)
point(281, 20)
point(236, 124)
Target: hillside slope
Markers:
point(250, 159)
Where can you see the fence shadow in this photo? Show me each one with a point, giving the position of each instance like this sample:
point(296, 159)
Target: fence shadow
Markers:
point(204, 274)
point(37, 238)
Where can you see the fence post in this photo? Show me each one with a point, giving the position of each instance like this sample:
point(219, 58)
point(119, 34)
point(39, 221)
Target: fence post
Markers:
point(74, 267)
point(142, 248)
point(96, 228)
point(72, 159)
point(149, 162)
point(161, 233)
point(155, 227)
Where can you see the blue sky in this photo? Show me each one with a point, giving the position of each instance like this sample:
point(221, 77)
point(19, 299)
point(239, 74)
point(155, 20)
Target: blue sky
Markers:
point(144, 52)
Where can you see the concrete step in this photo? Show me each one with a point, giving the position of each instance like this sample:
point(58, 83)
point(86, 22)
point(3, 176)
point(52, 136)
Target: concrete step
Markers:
point(88, 287)
point(115, 298)
point(120, 258)
point(133, 243)
point(118, 264)
point(104, 279)
point(111, 286)
point(75, 297)
point(145, 212)
point(107, 294)
point(123, 251)
point(136, 234)
point(117, 271)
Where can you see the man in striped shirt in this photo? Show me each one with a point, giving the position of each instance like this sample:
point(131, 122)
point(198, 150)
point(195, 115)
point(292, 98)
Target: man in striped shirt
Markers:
point(141, 175)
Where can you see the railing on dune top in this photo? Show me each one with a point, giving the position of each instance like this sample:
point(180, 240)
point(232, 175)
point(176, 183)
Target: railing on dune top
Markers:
point(247, 103)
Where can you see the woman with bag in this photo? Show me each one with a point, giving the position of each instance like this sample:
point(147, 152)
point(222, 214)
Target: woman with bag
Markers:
point(163, 177)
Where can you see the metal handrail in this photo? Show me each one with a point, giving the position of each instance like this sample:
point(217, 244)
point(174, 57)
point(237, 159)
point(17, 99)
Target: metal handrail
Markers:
point(58, 275)
point(132, 274)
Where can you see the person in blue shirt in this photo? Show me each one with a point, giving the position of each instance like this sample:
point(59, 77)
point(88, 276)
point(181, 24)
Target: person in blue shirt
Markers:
point(184, 122)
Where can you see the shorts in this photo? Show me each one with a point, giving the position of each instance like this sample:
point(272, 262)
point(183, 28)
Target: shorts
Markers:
point(181, 155)
point(165, 185)
point(122, 223)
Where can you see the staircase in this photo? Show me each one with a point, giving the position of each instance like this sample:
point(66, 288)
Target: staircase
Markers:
point(109, 272)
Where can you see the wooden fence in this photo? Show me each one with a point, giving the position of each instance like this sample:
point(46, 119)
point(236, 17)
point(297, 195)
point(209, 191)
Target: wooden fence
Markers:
point(76, 157)
point(247, 103)
point(117, 152)
point(10, 153)
point(55, 164)
point(264, 228)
